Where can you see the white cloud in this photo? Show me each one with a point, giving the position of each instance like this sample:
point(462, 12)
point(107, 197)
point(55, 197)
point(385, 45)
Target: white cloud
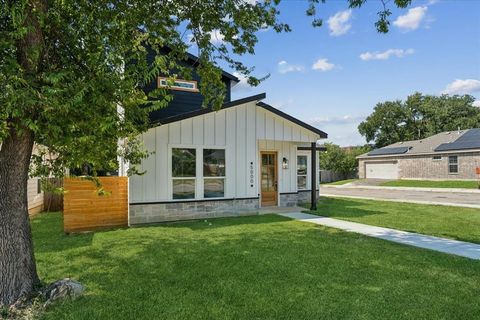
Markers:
point(341, 130)
point(346, 119)
point(338, 23)
point(412, 19)
point(460, 86)
point(323, 65)
point(399, 53)
point(476, 103)
point(216, 37)
point(285, 67)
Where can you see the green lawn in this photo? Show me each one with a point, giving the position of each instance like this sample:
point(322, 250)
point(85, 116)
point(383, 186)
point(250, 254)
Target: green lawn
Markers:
point(340, 182)
point(432, 184)
point(450, 222)
point(261, 267)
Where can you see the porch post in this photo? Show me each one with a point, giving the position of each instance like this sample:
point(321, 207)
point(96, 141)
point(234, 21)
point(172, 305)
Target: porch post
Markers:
point(314, 177)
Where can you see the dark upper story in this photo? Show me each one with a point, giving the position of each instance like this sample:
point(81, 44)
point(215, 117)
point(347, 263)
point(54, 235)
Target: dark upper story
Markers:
point(186, 96)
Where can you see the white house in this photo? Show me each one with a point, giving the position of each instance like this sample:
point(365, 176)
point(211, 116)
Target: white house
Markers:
point(206, 163)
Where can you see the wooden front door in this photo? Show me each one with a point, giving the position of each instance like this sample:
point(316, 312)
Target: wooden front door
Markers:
point(268, 181)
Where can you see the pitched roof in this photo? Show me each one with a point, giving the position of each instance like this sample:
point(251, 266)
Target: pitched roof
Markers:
point(201, 111)
point(282, 114)
point(195, 61)
point(424, 146)
point(235, 103)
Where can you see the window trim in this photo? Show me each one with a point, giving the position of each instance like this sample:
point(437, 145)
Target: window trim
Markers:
point(453, 164)
point(199, 178)
point(306, 175)
point(177, 88)
point(224, 177)
point(194, 178)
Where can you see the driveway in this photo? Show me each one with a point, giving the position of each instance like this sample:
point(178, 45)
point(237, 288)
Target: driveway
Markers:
point(460, 199)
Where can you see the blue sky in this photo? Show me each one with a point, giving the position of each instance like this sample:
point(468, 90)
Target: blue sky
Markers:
point(333, 76)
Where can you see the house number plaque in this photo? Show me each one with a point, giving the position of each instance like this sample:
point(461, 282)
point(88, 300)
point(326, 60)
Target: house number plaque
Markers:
point(251, 174)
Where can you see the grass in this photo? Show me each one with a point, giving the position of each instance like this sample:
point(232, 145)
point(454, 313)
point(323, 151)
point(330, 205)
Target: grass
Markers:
point(432, 184)
point(340, 182)
point(260, 267)
point(449, 222)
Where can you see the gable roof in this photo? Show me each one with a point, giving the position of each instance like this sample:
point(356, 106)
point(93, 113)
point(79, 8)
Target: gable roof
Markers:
point(284, 115)
point(201, 111)
point(441, 142)
point(195, 61)
point(235, 103)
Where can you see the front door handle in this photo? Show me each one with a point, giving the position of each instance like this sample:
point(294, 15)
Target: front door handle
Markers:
point(275, 185)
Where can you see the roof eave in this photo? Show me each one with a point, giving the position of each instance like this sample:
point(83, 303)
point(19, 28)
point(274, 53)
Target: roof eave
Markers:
point(202, 111)
point(282, 114)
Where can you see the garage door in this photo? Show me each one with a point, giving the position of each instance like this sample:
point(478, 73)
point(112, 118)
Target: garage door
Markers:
point(381, 170)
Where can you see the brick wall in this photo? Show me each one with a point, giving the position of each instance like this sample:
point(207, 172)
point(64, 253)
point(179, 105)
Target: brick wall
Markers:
point(425, 168)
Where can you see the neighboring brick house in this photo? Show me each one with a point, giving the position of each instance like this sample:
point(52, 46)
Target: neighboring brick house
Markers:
point(451, 155)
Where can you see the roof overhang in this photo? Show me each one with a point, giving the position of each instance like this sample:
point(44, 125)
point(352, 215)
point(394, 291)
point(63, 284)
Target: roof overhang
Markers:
point(238, 102)
point(199, 112)
point(440, 153)
point(288, 117)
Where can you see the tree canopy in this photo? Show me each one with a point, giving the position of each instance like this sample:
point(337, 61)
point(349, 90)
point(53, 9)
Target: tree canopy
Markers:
point(71, 78)
point(341, 160)
point(418, 117)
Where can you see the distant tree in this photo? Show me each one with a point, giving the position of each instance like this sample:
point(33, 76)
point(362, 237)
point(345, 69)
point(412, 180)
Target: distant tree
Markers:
point(418, 117)
point(341, 160)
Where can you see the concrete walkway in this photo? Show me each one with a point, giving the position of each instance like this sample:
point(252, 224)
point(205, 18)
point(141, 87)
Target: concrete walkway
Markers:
point(459, 248)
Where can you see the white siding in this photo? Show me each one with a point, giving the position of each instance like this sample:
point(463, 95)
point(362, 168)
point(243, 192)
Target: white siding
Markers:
point(287, 178)
point(243, 131)
point(35, 199)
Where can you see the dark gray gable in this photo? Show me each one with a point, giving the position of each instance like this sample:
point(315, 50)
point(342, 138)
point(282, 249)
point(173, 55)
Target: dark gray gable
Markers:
point(185, 101)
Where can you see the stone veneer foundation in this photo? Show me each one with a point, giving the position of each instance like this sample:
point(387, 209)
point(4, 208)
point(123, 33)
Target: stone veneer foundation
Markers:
point(141, 213)
point(188, 210)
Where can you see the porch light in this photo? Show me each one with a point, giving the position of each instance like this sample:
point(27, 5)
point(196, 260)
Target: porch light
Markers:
point(285, 163)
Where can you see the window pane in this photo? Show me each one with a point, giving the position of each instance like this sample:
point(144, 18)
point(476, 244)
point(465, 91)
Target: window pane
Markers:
point(453, 168)
point(302, 165)
point(302, 182)
point(213, 163)
point(453, 159)
point(187, 85)
point(183, 162)
point(183, 188)
point(214, 188)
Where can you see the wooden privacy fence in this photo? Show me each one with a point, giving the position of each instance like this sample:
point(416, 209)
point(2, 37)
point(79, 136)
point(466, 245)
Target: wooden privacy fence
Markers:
point(53, 201)
point(84, 209)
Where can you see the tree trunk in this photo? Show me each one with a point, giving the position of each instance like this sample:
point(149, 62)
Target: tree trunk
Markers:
point(18, 274)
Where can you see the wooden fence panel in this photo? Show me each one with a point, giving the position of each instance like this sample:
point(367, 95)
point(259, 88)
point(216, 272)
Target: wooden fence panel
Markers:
point(85, 210)
point(53, 201)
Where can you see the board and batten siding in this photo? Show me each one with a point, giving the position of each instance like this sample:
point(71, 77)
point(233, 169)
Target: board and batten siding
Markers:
point(243, 131)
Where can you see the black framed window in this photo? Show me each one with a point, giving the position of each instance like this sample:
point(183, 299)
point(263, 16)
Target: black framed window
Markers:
point(183, 173)
point(214, 173)
point(302, 162)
